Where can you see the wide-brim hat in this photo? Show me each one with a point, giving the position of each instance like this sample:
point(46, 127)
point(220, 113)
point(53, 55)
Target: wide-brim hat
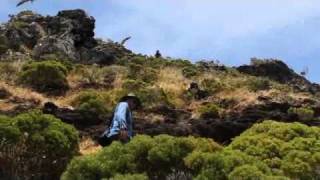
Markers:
point(133, 97)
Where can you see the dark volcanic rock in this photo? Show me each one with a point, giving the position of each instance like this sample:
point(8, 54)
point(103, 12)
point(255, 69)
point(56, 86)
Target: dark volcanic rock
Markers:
point(4, 93)
point(75, 117)
point(69, 35)
point(278, 71)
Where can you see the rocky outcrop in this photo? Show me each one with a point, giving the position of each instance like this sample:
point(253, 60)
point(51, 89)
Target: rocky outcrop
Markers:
point(68, 35)
point(278, 71)
point(180, 122)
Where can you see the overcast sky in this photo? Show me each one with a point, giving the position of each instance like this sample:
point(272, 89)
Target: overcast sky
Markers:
point(231, 31)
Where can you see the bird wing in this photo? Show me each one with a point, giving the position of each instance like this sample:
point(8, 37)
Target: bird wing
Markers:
point(22, 2)
point(125, 40)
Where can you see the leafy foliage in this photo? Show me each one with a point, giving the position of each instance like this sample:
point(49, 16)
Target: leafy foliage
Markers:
point(209, 111)
point(303, 113)
point(144, 74)
point(45, 76)
point(258, 84)
point(212, 85)
point(290, 150)
point(91, 104)
point(3, 45)
point(34, 145)
point(157, 157)
point(189, 71)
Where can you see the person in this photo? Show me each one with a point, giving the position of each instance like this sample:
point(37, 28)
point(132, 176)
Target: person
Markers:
point(121, 127)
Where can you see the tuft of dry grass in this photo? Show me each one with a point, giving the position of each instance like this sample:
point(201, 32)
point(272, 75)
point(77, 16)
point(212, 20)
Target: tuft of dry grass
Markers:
point(20, 95)
point(173, 84)
point(88, 146)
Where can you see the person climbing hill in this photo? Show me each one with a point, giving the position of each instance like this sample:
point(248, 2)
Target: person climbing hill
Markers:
point(121, 127)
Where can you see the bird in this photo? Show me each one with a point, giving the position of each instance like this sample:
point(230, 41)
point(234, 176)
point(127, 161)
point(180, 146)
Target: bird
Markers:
point(125, 40)
point(23, 1)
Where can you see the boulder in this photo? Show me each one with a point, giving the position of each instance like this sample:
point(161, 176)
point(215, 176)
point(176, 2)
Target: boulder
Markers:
point(4, 93)
point(278, 71)
point(69, 35)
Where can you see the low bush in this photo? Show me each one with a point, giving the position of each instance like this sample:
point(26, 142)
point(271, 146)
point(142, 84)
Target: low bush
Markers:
point(45, 76)
point(91, 104)
point(303, 113)
point(269, 150)
point(3, 45)
point(35, 146)
point(190, 71)
point(142, 73)
point(288, 149)
point(158, 158)
point(209, 111)
point(212, 85)
point(130, 177)
point(258, 84)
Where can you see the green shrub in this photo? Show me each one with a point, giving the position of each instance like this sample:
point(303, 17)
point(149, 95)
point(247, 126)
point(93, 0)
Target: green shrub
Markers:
point(3, 45)
point(247, 172)
point(35, 146)
point(189, 71)
point(91, 104)
point(303, 113)
point(258, 84)
point(289, 149)
point(179, 63)
point(131, 84)
point(212, 85)
point(270, 150)
point(209, 111)
point(158, 158)
point(130, 177)
point(142, 73)
point(45, 76)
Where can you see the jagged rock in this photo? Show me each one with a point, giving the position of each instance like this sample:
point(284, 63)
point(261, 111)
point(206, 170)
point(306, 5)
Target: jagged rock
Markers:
point(69, 35)
point(4, 93)
point(71, 116)
point(220, 131)
point(53, 45)
point(278, 71)
point(196, 92)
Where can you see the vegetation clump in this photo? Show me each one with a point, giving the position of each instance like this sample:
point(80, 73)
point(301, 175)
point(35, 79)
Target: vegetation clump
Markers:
point(303, 113)
point(258, 84)
point(45, 76)
point(35, 146)
point(3, 45)
point(209, 111)
point(91, 105)
point(159, 157)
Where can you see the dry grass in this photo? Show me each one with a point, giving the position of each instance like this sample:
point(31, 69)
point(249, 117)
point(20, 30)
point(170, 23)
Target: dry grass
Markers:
point(20, 95)
point(174, 84)
point(88, 146)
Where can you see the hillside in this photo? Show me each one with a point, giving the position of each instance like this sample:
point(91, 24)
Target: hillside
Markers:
point(55, 64)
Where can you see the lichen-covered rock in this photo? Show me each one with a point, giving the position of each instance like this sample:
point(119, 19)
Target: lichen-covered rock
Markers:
point(68, 35)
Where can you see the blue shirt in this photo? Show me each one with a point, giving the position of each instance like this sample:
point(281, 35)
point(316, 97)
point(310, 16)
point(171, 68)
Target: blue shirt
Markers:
point(122, 120)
